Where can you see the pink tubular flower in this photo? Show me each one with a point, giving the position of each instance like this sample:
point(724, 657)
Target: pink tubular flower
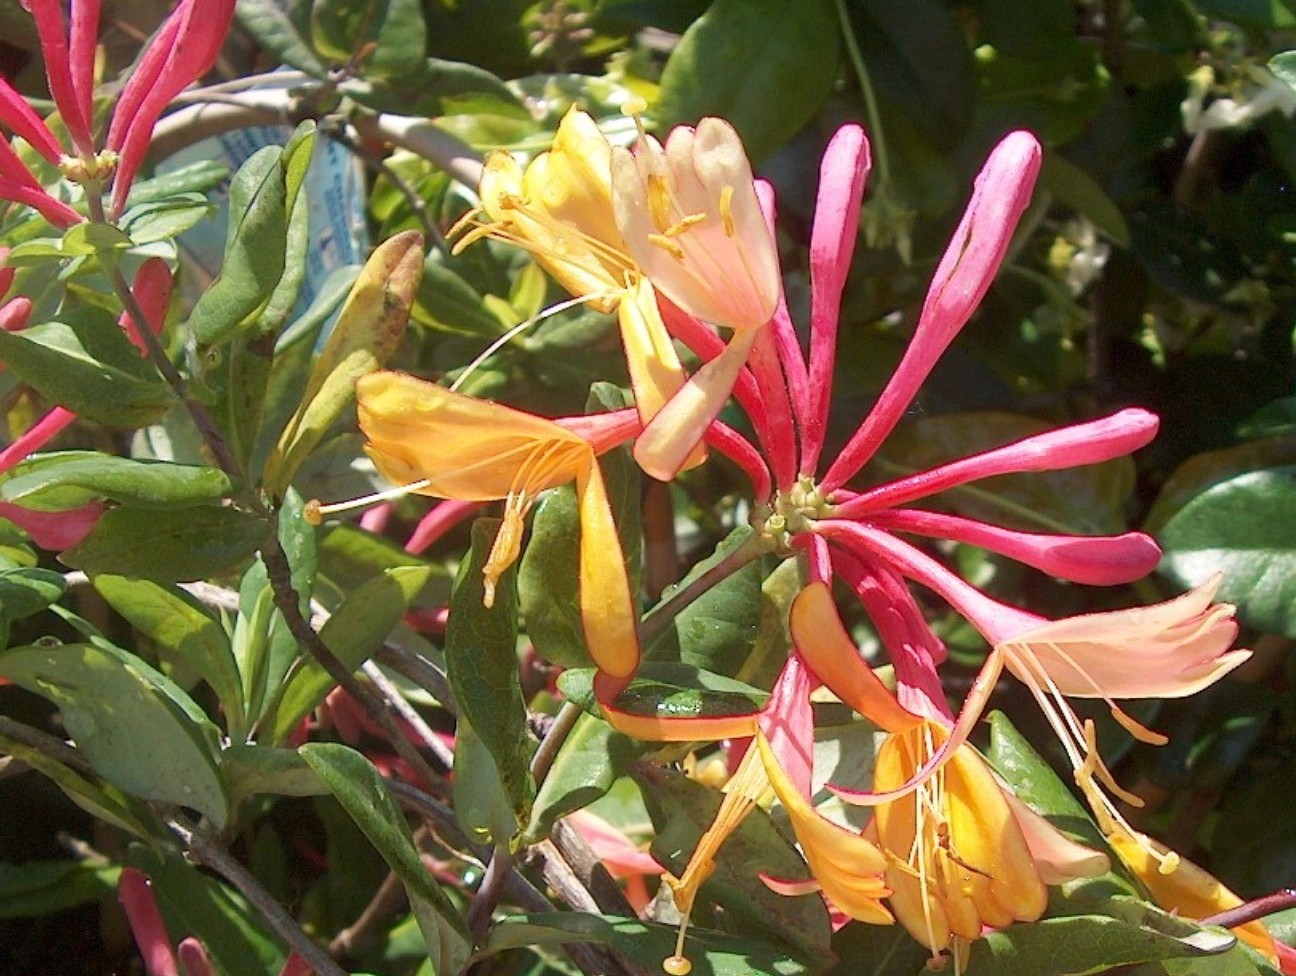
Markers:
point(862, 536)
point(183, 49)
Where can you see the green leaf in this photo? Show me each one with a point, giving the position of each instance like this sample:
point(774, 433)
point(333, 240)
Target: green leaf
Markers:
point(1080, 501)
point(668, 690)
point(186, 630)
point(1026, 30)
point(87, 364)
point(918, 60)
point(102, 801)
point(712, 953)
point(25, 591)
point(438, 88)
point(718, 630)
point(1082, 193)
point(195, 904)
point(1208, 468)
point(43, 887)
point(70, 479)
point(249, 770)
point(592, 758)
point(1284, 68)
point(446, 301)
point(362, 793)
point(353, 634)
point(1094, 944)
point(482, 808)
point(1276, 419)
point(274, 30)
point(165, 220)
point(764, 65)
point(386, 36)
point(877, 950)
point(367, 332)
point(1246, 528)
point(138, 730)
point(682, 810)
point(169, 545)
point(482, 667)
point(254, 250)
point(197, 177)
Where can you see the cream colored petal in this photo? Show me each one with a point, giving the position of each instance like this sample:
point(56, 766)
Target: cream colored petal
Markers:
point(1058, 858)
point(655, 371)
point(674, 433)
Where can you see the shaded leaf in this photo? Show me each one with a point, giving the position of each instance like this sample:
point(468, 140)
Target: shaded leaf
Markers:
point(182, 544)
point(764, 65)
point(482, 667)
point(712, 953)
point(1244, 527)
point(87, 364)
point(70, 479)
point(138, 730)
point(360, 789)
point(353, 634)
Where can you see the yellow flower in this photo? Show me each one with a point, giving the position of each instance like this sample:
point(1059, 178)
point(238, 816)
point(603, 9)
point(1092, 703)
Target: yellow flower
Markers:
point(1187, 889)
point(957, 857)
point(432, 441)
point(559, 209)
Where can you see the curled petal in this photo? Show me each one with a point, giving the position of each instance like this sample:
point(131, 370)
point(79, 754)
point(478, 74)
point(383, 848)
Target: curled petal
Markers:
point(674, 433)
point(1168, 650)
point(846, 865)
point(609, 614)
point(655, 371)
point(787, 724)
point(1058, 858)
point(820, 637)
point(15, 313)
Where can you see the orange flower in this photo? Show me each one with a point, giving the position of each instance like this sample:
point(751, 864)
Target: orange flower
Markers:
point(432, 441)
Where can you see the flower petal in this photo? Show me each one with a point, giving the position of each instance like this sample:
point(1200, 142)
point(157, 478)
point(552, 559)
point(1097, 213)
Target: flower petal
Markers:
point(609, 614)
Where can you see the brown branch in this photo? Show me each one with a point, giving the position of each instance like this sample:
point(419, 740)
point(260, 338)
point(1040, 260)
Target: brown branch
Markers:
point(288, 601)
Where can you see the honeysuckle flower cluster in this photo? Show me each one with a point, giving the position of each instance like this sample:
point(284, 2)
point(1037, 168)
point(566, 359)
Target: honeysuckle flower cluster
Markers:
point(678, 237)
point(183, 49)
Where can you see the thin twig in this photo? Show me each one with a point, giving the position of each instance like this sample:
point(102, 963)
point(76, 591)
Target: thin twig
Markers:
point(213, 856)
point(287, 600)
point(386, 901)
point(1257, 908)
point(489, 891)
point(396, 701)
point(50, 745)
point(553, 740)
point(418, 669)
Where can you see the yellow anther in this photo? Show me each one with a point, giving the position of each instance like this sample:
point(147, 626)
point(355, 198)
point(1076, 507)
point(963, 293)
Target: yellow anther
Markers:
point(634, 106)
point(666, 244)
point(685, 222)
point(726, 210)
point(659, 201)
